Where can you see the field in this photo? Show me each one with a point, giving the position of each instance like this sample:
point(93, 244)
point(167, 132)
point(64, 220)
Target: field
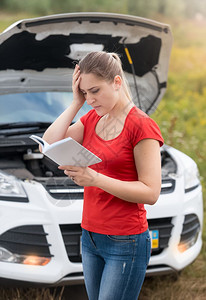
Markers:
point(182, 118)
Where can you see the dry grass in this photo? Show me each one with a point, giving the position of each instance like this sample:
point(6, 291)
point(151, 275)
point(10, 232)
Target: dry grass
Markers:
point(168, 288)
point(190, 284)
point(31, 294)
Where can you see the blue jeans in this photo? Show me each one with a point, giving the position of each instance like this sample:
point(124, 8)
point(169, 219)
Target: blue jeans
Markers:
point(114, 266)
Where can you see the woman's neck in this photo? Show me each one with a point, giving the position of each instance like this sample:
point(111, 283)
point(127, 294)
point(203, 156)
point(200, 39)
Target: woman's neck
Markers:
point(122, 108)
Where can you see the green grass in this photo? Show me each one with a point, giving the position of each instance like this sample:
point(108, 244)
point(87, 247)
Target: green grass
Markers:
point(6, 19)
point(181, 116)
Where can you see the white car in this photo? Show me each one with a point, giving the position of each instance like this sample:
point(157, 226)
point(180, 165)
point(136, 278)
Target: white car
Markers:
point(40, 207)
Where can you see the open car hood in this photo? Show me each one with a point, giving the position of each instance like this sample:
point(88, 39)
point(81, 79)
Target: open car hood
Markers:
point(39, 54)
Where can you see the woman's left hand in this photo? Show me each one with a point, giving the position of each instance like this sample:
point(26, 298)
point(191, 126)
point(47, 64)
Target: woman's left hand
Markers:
point(83, 176)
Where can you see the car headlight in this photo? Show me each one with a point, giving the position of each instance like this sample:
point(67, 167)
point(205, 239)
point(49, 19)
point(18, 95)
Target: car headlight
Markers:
point(11, 189)
point(191, 178)
point(9, 257)
point(190, 232)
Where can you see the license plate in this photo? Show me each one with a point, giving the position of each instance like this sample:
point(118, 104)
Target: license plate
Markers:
point(154, 235)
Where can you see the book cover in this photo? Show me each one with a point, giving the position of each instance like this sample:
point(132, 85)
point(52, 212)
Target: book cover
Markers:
point(67, 152)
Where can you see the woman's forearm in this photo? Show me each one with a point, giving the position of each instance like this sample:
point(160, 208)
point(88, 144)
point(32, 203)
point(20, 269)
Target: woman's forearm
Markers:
point(145, 190)
point(57, 130)
point(131, 191)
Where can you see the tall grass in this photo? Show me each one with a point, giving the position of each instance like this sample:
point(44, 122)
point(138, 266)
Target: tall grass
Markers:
point(182, 112)
point(181, 116)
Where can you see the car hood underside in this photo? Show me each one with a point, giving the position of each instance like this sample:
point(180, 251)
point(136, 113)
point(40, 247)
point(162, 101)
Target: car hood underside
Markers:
point(39, 54)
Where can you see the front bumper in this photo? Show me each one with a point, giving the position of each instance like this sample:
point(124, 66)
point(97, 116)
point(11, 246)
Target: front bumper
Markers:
point(61, 223)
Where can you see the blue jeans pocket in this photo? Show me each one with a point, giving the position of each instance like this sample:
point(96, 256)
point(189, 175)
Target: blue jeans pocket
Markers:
point(119, 245)
point(120, 238)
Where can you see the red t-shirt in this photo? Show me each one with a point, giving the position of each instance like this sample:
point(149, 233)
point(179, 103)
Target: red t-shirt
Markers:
point(102, 212)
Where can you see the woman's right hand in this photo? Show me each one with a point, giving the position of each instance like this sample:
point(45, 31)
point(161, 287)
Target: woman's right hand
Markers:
point(77, 94)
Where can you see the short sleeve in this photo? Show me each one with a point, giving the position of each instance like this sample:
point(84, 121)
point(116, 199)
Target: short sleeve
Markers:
point(85, 117)
point(146, 128)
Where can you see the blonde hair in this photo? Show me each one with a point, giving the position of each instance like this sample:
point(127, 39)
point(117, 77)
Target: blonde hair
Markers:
point(106, 66)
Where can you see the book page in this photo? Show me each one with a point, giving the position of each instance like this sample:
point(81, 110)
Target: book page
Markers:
point(68, 152)
point(40, 141)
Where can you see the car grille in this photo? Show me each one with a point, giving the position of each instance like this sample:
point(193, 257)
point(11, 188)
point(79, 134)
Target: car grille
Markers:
point(26, 240)
point(164, 226)
point(74, 192)
point(71, 234)
point(63, 189)
point(66, 189)
point(168, 186)
point(60, 193)
point(191, 228)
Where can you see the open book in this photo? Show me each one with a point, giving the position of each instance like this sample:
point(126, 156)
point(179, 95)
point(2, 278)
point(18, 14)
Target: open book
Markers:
point(67, 152)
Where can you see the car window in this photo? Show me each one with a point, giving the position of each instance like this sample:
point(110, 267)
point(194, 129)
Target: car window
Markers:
point(36, 107)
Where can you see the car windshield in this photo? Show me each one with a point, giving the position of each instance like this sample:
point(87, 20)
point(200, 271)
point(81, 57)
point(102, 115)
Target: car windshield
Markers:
point(36, 107)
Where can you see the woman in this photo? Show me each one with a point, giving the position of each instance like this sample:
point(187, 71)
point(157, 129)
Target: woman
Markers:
point(115, 238)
